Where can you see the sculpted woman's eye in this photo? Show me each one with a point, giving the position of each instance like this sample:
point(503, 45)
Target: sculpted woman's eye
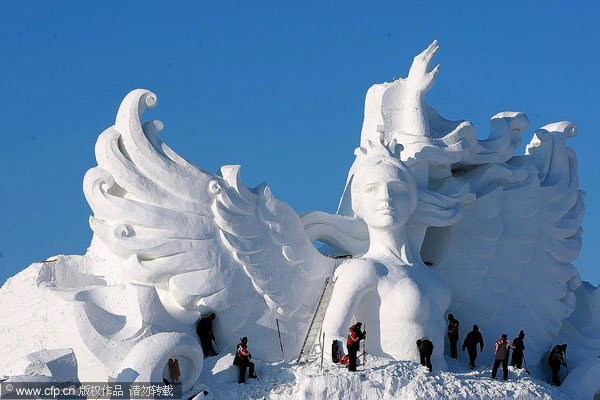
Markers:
point(397, 187)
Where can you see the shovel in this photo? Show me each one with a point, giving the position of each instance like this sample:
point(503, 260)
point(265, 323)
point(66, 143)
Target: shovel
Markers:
point(525, 361)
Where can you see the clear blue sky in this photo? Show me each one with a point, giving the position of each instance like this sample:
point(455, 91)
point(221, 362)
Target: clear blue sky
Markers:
point(275, 86)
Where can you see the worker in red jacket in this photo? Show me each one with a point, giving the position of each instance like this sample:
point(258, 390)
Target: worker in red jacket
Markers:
point(502, 350)
point(557, 358)
point(355, 335)
point(242, 360)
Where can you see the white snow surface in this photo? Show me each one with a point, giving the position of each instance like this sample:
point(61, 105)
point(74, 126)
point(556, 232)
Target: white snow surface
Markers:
point(381, 379)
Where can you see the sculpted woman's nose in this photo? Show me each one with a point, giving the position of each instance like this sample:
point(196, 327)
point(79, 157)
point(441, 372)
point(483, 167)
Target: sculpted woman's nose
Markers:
point(383, 194)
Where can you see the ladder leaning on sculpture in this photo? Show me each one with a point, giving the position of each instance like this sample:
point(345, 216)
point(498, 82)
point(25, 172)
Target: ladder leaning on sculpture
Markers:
point(312, 346)
point(312, 339)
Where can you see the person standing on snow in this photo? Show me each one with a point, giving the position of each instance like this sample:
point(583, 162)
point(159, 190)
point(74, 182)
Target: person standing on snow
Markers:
point(517, 357)
point(556, 359)
point(453, 335)
point(242, 361)
point(355, 335)
point(502, 350)
point(205, 333)
point(471, 341)
point(425, 351)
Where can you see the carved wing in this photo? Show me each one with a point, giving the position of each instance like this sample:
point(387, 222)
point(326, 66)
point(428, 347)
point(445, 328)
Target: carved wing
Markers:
point(208, 241)
point(507, 260)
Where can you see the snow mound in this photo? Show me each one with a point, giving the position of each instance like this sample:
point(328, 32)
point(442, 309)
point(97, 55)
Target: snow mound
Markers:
point(381, 379)
point(584, 381)
point(59, 364)
point(219, 378)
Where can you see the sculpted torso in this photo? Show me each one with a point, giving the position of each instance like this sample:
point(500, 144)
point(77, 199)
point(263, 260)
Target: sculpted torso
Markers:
point(388, 289)
point(397, 303)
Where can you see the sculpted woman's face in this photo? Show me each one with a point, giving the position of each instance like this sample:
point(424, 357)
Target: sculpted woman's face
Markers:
point(383, 195)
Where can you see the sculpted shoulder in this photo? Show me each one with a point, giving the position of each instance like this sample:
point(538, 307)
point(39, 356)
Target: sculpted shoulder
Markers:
point(361, 267)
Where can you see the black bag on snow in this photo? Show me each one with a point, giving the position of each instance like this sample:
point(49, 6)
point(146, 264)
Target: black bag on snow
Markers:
point(335, 350)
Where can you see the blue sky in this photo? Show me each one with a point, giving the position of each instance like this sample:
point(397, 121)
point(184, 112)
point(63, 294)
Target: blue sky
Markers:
point(275, 86)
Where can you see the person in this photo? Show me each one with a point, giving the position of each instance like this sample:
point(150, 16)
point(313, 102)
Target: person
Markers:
point(502, 350)
point(470, 343)
point(517, 356)
point(453, 335)
point(556, 359)
point(355, 335)
point(242, 361)
point(205, 333)
point(425, 350)
point(174, 372)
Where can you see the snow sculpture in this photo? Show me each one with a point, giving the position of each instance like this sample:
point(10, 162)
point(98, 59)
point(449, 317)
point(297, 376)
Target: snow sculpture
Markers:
point(206, 240)
point(172, 242)
point(436, 220)
point(499, 230)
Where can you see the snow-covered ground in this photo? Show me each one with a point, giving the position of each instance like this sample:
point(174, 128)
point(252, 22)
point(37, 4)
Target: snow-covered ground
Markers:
point(379, 379)
point(33, 323)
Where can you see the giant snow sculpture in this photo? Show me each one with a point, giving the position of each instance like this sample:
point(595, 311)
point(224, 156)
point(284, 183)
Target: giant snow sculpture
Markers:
point(499, 230)
point(435, 219)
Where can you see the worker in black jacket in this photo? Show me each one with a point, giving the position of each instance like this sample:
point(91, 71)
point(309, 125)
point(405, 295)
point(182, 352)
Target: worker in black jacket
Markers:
point(473, 339)
point(205, 333)
point(517, 355)
point(453, 334)
point(425, 351)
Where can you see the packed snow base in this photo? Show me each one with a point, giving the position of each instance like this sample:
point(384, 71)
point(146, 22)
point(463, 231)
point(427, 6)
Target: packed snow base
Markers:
point(381, 378)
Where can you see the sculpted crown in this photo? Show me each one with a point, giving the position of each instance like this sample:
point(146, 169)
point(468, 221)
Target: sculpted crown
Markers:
point(381, 148)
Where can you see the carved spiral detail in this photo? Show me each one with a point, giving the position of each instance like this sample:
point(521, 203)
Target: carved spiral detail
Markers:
point(571, 131)
point(123, 230)
point(150, 100)
point(96, 182)
point(104, 182)
point(214, 187)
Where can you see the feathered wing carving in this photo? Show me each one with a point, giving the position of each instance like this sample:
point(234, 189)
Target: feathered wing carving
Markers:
point(210, 241)
point(507, 260)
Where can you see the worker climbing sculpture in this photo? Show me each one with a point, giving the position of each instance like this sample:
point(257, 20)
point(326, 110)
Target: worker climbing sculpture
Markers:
point(435, 221)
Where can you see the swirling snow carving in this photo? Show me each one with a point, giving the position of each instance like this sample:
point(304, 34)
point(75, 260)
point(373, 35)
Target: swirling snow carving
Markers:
point(211, 242)
point(508, 262)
